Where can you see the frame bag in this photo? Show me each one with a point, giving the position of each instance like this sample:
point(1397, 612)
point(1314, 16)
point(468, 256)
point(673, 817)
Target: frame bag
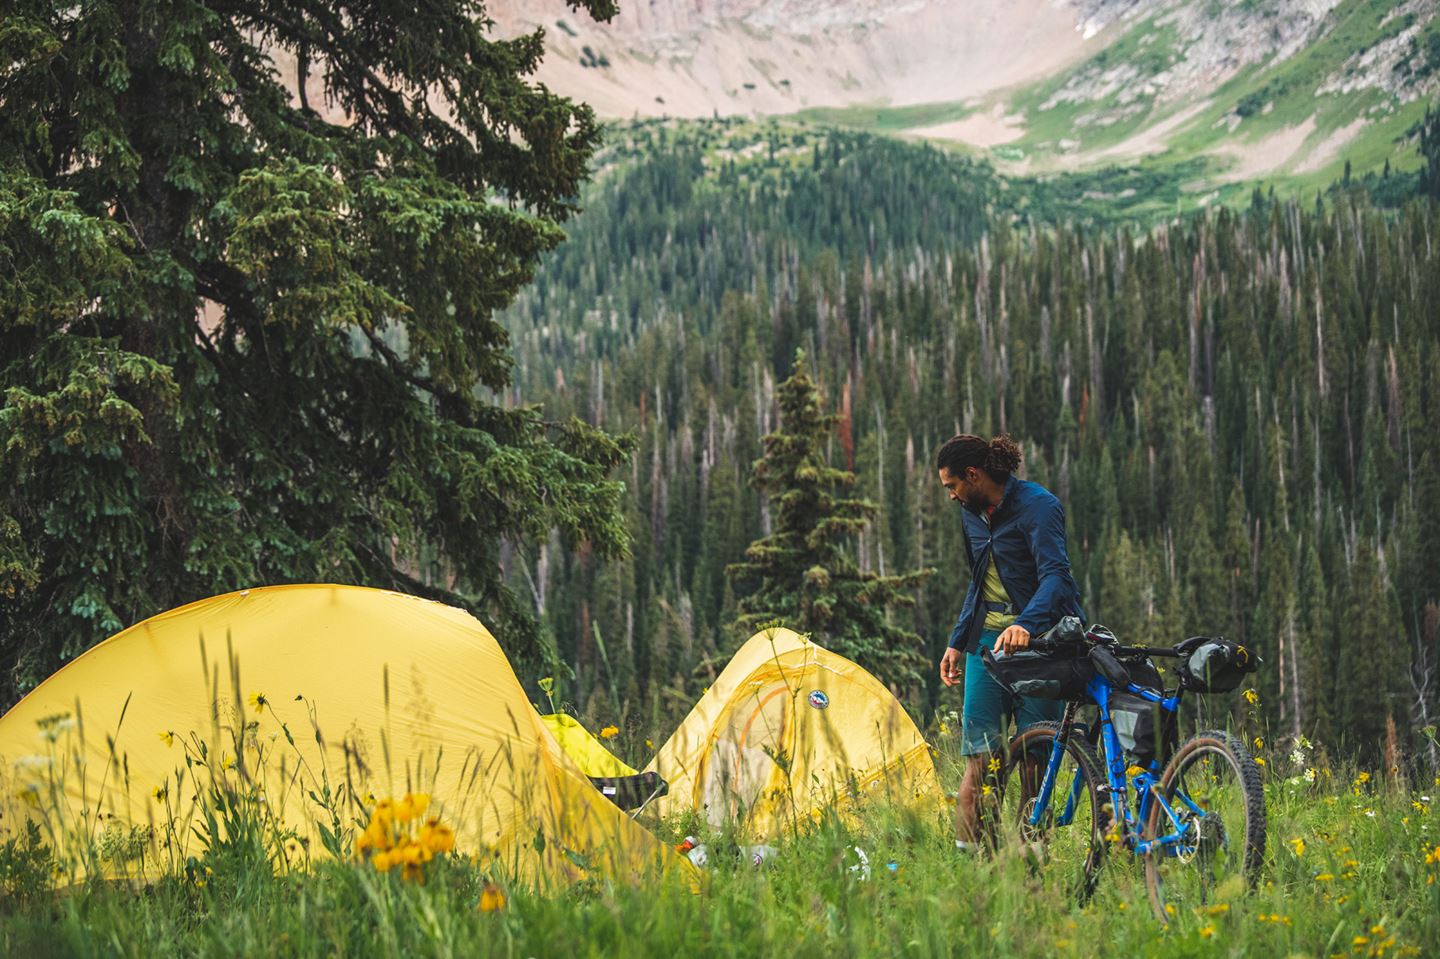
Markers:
point(1145, 730)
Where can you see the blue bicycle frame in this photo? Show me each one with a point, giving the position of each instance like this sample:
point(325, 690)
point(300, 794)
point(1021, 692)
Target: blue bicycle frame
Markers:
point(1145, 782)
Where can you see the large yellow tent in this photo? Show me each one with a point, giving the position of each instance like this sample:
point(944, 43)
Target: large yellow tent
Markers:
point(267, 698)
point(787, 728)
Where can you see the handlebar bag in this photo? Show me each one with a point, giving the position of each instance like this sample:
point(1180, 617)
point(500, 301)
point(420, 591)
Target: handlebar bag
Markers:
point(1049, 675)
point(1216, 665)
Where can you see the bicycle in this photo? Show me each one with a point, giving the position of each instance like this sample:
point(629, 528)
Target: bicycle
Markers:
point(1198, 822)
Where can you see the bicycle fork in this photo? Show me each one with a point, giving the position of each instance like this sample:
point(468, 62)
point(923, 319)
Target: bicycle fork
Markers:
point(1052, 772)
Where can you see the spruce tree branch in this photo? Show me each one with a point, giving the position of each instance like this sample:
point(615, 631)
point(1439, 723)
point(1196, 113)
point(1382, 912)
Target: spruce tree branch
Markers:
point(400, 368)
point(397, 115)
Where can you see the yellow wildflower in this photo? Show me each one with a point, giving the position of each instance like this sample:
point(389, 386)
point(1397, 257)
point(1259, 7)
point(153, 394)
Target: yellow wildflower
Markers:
point(1219, 909)
point(609, 732)
point(994, 764)
point(227, 761)
point(1298, 845)
point(382, 861)
point(1259, 743)
point(160, 793)
point(167, 737)
point(491, 898)
point(985, 790)
point(1362, 779)
point(649, 744)
point(1360, 941)
point(413, 854)
point(258, 702)
point(547, 684)
point(437, 836)
point(1259, 760)
point(1207, 932)
point(1324, 877)
point(376, 836)
point(1251, 696)
point(411, 806)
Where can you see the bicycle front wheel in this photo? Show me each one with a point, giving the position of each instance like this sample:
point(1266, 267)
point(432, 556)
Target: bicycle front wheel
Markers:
point(1068, 834)
point(1209, 831)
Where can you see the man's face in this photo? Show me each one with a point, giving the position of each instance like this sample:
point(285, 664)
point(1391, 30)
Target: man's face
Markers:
point(959, 485)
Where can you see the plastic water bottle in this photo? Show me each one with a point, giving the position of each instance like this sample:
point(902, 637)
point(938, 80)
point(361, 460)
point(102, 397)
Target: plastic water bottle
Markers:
point(760, 854)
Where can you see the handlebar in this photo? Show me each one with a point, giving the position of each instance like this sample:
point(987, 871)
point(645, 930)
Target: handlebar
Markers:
point(1101, 637)
point(1043, 644)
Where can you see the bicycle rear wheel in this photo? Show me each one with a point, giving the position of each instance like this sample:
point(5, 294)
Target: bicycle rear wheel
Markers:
point(1217, 820)
point(1069, 835)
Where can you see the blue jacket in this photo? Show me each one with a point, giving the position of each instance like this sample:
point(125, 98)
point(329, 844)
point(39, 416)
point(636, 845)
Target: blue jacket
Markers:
point(1025, 539)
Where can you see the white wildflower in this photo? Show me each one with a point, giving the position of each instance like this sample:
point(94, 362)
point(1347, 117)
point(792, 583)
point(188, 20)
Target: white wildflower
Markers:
point(33, 763)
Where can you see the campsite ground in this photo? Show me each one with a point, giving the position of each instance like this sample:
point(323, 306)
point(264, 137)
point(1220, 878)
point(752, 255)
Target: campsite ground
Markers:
point(1353, 869)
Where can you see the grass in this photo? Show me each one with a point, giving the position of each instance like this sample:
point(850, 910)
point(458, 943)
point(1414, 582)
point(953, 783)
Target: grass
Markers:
point(1146, 47)
point(881, 118)
point(1353, 869)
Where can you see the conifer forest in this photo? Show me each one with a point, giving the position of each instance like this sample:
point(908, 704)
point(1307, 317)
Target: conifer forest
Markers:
point(1237, 409)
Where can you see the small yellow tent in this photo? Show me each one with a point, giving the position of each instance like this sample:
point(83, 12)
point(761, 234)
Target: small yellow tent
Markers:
point(588, 752)
point(787, 728)
point(272, 695)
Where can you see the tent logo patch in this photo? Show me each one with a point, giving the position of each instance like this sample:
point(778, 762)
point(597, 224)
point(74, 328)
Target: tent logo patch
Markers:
point(818, 699)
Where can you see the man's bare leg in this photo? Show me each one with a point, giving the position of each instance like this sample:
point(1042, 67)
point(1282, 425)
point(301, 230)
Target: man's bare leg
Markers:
point(969, 816)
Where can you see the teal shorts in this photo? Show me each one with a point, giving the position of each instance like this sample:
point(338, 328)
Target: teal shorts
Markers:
point(988, 706)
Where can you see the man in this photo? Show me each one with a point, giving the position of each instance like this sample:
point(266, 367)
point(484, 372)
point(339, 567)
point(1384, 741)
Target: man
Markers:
point(1020, 586)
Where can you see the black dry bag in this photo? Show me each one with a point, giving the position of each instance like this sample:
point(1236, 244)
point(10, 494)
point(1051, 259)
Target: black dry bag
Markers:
point(1050, 675)
point(1215, 665)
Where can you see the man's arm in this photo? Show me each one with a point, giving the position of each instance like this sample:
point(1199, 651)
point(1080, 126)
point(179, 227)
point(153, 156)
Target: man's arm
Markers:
point(1046, 536)
point(957, 635)
point(950, 660)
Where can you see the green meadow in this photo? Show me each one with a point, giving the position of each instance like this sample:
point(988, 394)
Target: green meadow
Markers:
point(1352, 869)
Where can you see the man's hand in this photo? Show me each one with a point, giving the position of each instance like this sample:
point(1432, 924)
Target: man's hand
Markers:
point(1014, 639)
point(950, 667)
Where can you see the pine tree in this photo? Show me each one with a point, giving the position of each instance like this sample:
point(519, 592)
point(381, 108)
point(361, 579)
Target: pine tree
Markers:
point(1430, 151)
point(244, 344)
point(803, 573)
point(1373, 655)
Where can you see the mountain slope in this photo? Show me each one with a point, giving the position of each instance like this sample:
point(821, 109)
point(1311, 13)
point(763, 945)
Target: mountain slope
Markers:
point(668, 58)
point(1283, 90)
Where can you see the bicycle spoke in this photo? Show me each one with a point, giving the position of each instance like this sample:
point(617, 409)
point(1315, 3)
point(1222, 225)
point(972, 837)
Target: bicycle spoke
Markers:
point(1207, 831)
point(1063, 837)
